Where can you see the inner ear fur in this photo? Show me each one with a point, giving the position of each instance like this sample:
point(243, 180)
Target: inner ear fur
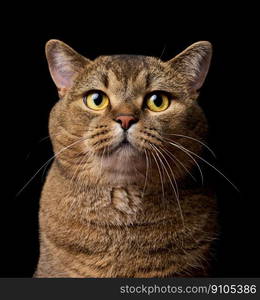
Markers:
point(65, 64)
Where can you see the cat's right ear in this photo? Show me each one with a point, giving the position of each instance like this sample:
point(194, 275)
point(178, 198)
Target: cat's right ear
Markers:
point(65, 64)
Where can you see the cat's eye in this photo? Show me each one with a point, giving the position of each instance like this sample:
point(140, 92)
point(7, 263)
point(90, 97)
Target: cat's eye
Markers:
point(96, 100)
point(157, 101)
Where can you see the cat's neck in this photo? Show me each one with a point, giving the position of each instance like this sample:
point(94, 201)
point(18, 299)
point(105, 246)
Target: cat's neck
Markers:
point(113, 205)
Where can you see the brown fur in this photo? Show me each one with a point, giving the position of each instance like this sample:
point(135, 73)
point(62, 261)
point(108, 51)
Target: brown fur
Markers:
point(104, 211)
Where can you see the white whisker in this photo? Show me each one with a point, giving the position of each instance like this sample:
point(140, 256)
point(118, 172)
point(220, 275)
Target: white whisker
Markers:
point(209, 164)
point(146, 173)
point(47, 162)
point(159, 170)
point(187, 153)
point(192, 138)
point(175, 188)
point(173, 158)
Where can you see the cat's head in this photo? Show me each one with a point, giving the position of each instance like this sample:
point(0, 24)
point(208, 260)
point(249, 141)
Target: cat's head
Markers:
point(118, 115)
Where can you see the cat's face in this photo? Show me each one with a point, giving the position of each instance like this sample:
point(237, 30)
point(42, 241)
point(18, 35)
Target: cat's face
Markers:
point(118, 114)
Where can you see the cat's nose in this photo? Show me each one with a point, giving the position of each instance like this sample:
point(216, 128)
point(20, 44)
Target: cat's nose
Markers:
point(126, 121)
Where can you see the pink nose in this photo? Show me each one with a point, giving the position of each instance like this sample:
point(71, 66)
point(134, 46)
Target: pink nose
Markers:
point(126, 121)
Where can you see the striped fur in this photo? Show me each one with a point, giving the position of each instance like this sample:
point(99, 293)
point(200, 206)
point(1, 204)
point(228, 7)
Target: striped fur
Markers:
point(115, 213)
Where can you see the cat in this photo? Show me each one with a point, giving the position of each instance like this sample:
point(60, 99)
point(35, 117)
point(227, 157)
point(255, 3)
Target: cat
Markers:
point(120, 198)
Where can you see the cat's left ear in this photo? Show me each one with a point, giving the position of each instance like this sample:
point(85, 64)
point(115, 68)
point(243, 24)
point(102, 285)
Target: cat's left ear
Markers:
point(192, 65)
point(65, 64)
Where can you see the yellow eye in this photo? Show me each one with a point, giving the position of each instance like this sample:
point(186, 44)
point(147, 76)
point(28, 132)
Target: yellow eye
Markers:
point(96, 100)
point(157, 101)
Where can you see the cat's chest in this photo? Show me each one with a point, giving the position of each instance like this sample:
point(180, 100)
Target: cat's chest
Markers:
point(111, 205)
point(127, 200)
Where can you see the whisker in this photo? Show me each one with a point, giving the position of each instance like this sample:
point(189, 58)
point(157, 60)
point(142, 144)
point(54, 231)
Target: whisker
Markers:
point(79, 163)
point(175, 188)
point(44, 170)
point(80, 184)
point(160, 57)
point(191, 157)
point(47, 162)
point(43, 139)
point(194, 139)
point(74, 199)
point(146, 172)
point(78, 178)
point(202, 159)
point(173, 158)
point(175, 191)
point(209, 164)
point(159, 170)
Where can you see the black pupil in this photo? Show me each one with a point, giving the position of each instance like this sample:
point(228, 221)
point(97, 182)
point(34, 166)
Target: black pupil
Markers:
point(157, 100)
point(97, 98)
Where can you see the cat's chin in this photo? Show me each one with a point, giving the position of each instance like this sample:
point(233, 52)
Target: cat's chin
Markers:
point(124, 160)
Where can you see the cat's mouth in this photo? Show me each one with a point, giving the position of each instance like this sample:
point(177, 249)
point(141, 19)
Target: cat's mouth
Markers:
point(121, 148)
point(124, 145)
point(123, 159)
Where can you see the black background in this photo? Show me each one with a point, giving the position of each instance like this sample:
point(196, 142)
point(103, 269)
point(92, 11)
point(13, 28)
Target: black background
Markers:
point(228, 98)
